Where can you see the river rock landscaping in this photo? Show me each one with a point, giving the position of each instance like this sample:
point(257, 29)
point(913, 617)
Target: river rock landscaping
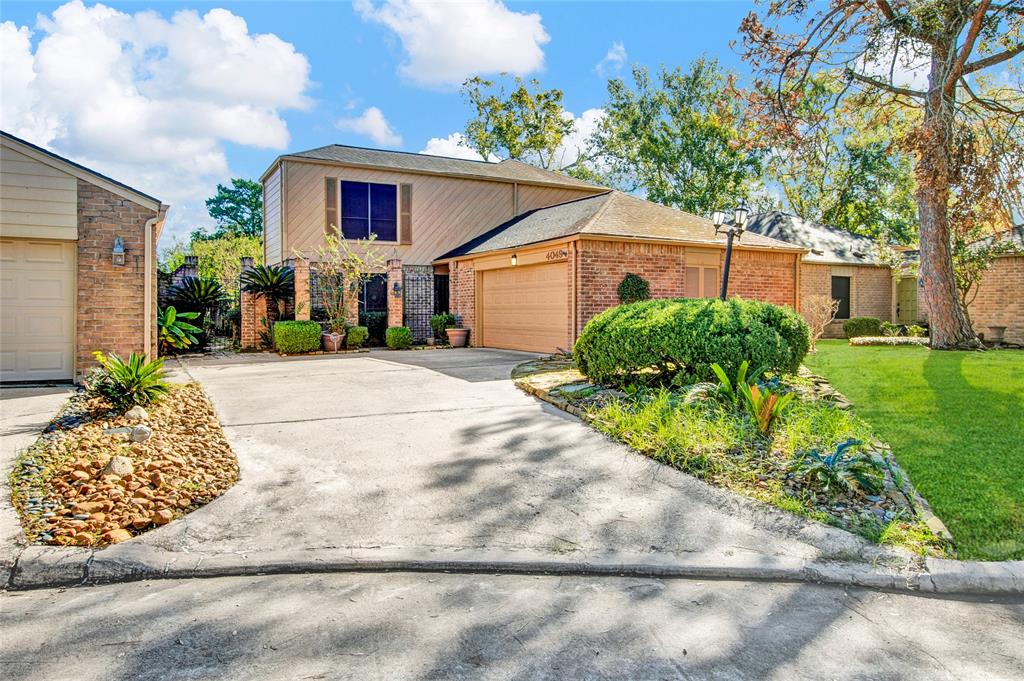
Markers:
point(95, 477)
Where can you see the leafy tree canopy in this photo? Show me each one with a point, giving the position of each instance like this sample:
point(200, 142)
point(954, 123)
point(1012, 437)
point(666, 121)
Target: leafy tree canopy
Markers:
point(238, 210)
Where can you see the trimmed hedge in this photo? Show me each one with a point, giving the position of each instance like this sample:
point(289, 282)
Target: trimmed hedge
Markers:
point(633, 288)
point(682, 338)
point(863, 326)
point(399, 337)
point(356, 336)
point(292, 337)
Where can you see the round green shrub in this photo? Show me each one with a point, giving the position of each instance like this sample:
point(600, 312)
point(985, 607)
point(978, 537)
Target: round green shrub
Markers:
point(633, 288)
point(297, 336)
point(682, 338)
point(399, 337)
point(376, 323)
point(855, 327)
point(355, 336)
point(440, 322)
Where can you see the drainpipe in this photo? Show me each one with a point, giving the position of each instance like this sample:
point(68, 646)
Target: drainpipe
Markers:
point(148, 271)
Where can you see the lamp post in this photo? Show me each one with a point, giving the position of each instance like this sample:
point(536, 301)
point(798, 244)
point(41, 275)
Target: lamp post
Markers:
point(735, 230)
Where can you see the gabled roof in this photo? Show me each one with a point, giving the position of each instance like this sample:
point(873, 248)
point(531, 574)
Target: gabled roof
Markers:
point(826, 244)
point(609, 214)
point(1013, 237)
point(507, 171)
point(80, 171)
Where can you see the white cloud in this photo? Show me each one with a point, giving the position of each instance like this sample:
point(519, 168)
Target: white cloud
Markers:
point(576, 142)
point(454, 145)
point(910, 68)
point(447, 42)
point(148, 100)
point(613, 61)
point(371, 124)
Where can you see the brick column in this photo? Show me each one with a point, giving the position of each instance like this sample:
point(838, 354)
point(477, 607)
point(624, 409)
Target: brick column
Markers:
point(352, 302)
point(254, 311)
point(303, 304)
point(396, 294)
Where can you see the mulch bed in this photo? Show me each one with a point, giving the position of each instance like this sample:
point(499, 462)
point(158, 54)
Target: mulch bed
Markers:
point(66, 495)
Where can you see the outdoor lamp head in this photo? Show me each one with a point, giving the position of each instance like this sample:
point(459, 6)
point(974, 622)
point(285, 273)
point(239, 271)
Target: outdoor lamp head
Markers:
point(718, 217)
point(740, 215)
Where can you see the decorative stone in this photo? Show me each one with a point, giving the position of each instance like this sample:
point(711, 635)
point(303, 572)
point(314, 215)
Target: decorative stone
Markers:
point(117, 536)
point(141, 433)
point(118, 465)
point(137, 413)
point(162, 517)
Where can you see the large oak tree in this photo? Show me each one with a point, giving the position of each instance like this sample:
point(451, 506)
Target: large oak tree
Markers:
point(876, 43)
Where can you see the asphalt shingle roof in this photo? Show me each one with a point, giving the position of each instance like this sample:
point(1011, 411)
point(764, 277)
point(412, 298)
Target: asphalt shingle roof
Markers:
point(826, 244)
point(609, 214)
point(508, 170)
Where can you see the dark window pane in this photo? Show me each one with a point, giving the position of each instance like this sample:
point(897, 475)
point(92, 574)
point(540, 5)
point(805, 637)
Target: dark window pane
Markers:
point(355, 200)
point(374, 296)
point(383, 199)
point(386, 230)
point(841, 292)
point(355, 228)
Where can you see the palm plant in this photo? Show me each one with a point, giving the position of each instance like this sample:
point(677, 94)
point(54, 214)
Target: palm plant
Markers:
point(273, 282)
point(198, 293)
point(126, 383)
point(174, 329)
point(839, 470)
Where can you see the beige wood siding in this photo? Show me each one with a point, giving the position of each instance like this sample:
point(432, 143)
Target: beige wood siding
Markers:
point(531, 197)
point(37, 310)
point(36, 200)
point(525, 308)
point(272, 216)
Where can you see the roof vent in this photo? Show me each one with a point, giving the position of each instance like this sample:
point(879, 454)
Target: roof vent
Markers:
point(815, 251)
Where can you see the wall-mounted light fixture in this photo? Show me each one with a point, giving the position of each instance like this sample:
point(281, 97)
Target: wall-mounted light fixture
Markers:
point(515, 260)
point(396, 290)
point(117, 253)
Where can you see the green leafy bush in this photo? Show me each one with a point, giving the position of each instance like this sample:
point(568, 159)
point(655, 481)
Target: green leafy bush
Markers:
point(633, 288)
point(376, 323)
point(297, 336)
point(440, 322)
point(916, 331)
point(890, 329)
point(656, 341)
point(174, 330)
point(862, 326)
point(840, 471)
point(124, 384)
point(399, 337)
point(356, 336)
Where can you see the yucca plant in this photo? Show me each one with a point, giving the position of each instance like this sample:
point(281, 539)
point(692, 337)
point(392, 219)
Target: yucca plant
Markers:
point(764, 405)
point(198, 293)
point(273, 282)
point(840, 471)
point(174, 329)
point(124, 384)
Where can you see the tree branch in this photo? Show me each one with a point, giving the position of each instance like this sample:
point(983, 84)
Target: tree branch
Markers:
point(889, 87)
point(967, 48)
point(993, 60)
point(902, 22)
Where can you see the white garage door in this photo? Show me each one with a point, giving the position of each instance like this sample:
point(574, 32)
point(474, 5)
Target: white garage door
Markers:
point(37, 310)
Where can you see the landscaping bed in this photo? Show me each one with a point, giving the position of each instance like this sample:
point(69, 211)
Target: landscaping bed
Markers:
point(95, 477)
point(723, 447)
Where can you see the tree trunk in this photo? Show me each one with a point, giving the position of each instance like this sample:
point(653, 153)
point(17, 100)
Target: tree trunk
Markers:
point(949, 325)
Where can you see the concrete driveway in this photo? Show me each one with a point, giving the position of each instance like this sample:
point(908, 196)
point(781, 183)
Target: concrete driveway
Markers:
point(438, 452)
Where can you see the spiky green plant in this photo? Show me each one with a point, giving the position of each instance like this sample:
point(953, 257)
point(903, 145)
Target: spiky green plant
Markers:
point(725, 390)
point(124, 384)
point(840, 470)
point(198, 293)
point(274, 282)
point(765, 405)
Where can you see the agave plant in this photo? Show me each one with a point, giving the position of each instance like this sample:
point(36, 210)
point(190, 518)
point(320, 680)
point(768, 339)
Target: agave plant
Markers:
point(174, 329)
point(765, 405)
point(840, 470)
point(273, 282)
point(198, 293)
point(126, 383)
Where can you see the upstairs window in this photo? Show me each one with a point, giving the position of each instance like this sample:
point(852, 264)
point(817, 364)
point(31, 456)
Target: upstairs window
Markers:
point(369, 208)
point(841, 292)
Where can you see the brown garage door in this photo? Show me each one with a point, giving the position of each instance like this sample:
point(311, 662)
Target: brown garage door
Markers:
point(526, 308)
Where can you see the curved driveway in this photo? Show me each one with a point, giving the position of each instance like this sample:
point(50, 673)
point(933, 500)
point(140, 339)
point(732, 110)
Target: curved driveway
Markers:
point(437, 451)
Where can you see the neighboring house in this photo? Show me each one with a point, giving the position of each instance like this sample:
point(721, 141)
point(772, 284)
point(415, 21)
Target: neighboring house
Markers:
point(844, 266)
point(523, 256)
point(65, 293)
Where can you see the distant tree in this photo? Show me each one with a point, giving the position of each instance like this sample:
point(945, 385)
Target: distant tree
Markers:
point(237, 210)
point(679, 138)
point(819, 311)
point(219, 259)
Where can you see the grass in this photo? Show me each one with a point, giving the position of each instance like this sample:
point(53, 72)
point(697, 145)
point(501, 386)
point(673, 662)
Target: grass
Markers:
point(955, 421)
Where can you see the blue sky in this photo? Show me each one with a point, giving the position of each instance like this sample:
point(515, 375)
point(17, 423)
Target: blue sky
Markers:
point(203, 97)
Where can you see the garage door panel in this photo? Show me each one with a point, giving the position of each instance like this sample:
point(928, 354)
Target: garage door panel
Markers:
point(526, 308)
point(37, 291)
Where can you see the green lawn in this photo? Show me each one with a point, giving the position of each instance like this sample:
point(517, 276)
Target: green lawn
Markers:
point(955, 421)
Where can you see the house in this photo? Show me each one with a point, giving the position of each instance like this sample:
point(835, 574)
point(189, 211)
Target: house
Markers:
point(77, 263)
point(523, 256)
point(999, 301)
point(844, 266)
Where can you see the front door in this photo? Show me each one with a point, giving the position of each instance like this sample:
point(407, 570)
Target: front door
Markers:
point(906, 301)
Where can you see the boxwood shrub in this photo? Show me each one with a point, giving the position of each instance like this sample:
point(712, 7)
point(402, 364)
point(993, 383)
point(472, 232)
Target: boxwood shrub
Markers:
point(293, 336)
point(399, 337)
point(661, 340)
point(862, 326)
point(356, 336)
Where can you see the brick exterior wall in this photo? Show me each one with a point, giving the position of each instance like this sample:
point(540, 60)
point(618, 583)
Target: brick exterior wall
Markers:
point(418, 306)
point(303, 301)
point(1000, 299)
point(870, 290)
point(110, 310)
point(396, 307)
point(760, 275)
point(189, 268)
point(462, 295)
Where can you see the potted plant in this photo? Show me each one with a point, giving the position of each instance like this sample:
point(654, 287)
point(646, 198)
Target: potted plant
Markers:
point(457, 336)
point(334, 337)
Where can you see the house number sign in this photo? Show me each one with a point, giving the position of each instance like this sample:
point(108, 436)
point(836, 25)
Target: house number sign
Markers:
point(558, 254)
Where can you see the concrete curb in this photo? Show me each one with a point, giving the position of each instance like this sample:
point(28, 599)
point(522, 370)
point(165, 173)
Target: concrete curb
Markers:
point(41, 567)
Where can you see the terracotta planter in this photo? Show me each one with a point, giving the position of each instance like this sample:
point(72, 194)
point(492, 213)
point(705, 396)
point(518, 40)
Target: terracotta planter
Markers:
point(332, 342)
point(457, 337)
